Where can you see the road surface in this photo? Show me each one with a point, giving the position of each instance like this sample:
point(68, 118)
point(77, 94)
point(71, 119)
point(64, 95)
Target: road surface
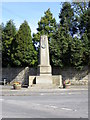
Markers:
point(63, 104)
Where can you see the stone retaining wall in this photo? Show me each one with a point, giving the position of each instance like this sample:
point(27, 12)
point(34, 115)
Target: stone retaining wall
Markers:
point(18, 74)
point(22, 74)
point(71, 73)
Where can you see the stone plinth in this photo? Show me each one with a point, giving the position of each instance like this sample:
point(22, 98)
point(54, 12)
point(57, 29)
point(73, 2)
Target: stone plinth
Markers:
point(44, 79)
point(44, 68)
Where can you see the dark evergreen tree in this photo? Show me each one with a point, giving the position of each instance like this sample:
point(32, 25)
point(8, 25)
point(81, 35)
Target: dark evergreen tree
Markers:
point(8, 34)
point(24, 52)
point(46, 26)
point(60, 48)
point(60, 44)
point(86, 48)
point(83, 10)
point(66, 16)
point(69, 23)
point(77, 51)
point(1, 34)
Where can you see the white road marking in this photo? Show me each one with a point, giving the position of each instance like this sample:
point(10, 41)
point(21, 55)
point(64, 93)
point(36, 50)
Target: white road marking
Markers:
point(66, 109)
point(54, 106)
point(75, 110)
point(41, 94)
point(51, 106)
point(62, 93)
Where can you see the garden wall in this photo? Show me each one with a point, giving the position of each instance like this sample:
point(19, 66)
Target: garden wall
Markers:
point(22, 74)
point(75, 76)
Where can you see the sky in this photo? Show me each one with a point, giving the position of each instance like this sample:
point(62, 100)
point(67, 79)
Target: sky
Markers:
point(29, 11)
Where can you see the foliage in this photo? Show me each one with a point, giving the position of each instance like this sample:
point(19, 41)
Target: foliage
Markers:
point(60, 44)
point(77, 53)
point(86, 48)
point(66, 16)
point(1, 32)
point(84, 28)
point(65, 50)
point(8, 34)
point(69, 40)
point(46, 26)
point(60, 48)
point(24, 52)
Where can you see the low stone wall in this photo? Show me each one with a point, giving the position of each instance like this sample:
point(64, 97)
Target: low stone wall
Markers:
point(18, 74)
point(75, 76)
point(11, 74)
point(22, 74)
point(57, 80)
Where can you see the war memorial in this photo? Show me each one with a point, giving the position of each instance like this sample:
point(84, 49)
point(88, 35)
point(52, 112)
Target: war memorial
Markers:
point(44, 74)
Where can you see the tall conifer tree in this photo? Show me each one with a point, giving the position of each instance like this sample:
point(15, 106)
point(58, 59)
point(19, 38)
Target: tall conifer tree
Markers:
point(8, 34)
point(46, 26)
point(24, 52)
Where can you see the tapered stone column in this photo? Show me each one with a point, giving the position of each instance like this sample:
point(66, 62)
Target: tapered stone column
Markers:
point(44, 69)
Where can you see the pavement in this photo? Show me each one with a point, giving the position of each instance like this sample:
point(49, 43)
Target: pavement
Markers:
point(9, 91)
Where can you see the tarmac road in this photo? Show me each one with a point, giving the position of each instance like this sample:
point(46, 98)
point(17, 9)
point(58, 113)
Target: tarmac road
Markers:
point(61, 104)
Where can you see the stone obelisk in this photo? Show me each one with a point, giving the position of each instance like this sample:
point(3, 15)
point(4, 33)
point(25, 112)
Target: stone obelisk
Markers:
point(44, 78)
point(44, 68)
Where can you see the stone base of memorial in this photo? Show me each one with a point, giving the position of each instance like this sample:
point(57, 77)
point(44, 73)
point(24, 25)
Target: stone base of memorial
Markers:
point(44, 70)
point(44, 75)
point(44, 79)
